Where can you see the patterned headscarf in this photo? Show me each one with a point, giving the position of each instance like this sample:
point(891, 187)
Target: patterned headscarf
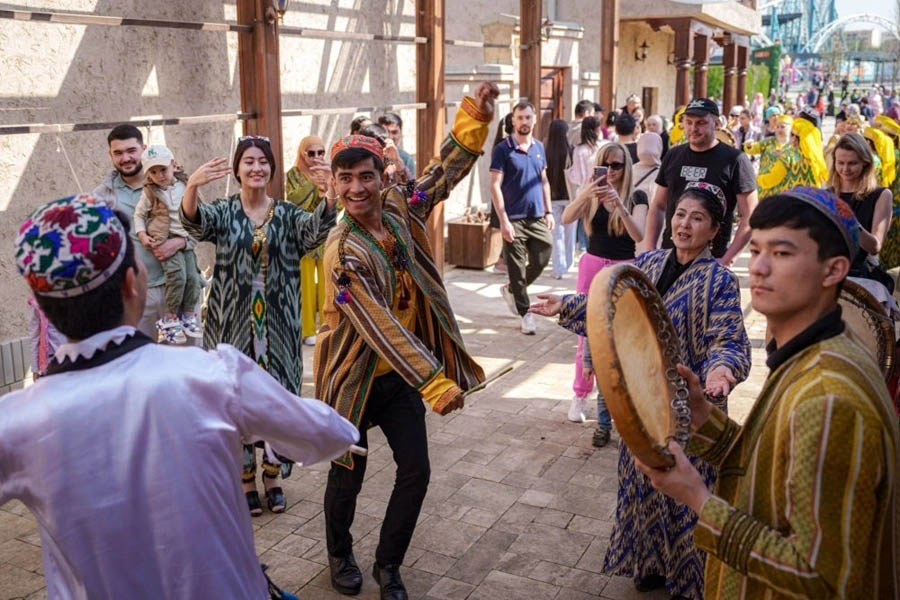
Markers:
point(711, 191)
point(70, 246)
point(358, 141)
point(305, 144)
point(884, 147)
point(811, 147)
point(838, 212)
point(772, 110)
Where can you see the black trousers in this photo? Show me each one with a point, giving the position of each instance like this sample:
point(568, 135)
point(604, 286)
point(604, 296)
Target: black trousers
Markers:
point(398, 409)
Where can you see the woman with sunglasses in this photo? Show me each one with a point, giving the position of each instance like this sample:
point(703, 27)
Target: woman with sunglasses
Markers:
point(305, 186)
point(254, 303)
point(613, 214)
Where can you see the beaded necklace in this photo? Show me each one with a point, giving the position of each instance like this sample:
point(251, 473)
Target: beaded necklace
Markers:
point(393, 251)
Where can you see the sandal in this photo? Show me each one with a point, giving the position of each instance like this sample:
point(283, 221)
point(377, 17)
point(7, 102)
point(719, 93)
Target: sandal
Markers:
point(253, 503)
point(275, 500)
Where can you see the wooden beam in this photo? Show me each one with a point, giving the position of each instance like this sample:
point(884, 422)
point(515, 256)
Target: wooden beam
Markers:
point(701, 65)
point(430, 15)
point(530, 13)
point(684, 50)
point(260, 78)
point(743, 63)
point(609, 50)
point(729, 62)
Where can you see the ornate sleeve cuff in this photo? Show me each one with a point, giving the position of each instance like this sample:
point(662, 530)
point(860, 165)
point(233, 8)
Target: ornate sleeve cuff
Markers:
point(438, 392)
point(470, 129)
point(726, 532)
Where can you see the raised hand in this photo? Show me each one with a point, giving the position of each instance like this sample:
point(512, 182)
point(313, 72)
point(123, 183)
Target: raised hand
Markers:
point(215, 169)
point(486, 95)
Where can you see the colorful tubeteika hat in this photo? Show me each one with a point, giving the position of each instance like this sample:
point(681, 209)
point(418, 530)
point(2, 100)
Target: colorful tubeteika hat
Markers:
point(358, 141)
point(837, 211)
point(711, 189)
point(70, 246)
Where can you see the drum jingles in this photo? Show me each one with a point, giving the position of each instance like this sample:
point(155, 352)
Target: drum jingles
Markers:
point(635, 350)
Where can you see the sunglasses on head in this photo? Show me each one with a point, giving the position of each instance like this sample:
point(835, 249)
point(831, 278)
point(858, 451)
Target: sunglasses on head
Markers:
point(615, 166)
point(244, 138)
point(315, 153)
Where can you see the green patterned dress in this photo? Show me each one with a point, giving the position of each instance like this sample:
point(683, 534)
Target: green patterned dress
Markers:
point(890, 251)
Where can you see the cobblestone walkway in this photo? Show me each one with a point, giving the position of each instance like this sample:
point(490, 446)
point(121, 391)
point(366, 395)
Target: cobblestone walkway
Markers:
point(519, 506)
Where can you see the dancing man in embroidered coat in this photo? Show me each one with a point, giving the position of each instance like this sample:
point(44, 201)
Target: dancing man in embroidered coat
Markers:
point(390, 339)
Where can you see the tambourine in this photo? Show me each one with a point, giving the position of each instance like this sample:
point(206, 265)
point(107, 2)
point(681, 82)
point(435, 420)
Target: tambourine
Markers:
point(635, 350)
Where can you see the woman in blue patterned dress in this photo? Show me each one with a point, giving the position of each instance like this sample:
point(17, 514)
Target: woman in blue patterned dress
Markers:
point(652, 539)
point(254, 303)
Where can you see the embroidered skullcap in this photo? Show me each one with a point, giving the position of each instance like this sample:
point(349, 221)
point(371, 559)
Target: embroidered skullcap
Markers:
point(710, 189)
point(838, 212)
point(70, 246)
point(357, 141)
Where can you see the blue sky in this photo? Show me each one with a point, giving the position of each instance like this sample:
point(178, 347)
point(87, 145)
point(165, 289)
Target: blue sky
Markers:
point(882, 8)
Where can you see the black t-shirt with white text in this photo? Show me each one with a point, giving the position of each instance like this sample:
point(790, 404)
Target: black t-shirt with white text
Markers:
point(721, 165)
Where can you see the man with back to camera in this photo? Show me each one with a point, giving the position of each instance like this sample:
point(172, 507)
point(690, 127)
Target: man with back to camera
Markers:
point(807, 504)
point(585, 108)
point(122, 190)
point(704, 158)
point(626, 134)
point(520, 192)
point(127, 451)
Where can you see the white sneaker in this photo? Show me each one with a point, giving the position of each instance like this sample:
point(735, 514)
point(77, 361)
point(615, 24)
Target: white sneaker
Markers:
point(191, 326)
point(309, 340)
point(576, 410)
point(510, 301)
point(528, 327)
point(171, 330)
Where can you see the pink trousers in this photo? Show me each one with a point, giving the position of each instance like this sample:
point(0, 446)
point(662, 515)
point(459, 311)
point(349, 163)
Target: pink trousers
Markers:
point(588, 266)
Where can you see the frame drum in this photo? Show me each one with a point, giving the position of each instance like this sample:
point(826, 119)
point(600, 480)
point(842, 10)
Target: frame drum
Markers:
point(635, 349)
point(865, 317)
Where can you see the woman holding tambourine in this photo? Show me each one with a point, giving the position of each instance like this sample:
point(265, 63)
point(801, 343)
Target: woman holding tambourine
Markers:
point(652, 539)
point(613, 215)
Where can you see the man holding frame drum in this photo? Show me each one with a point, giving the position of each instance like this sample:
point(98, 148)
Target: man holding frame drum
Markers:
point(807, 502)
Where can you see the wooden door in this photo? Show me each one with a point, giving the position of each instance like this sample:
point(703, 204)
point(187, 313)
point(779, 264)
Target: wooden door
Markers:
point(553, 81)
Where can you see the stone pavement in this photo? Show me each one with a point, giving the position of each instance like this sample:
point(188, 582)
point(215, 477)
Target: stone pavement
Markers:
point(520, 504)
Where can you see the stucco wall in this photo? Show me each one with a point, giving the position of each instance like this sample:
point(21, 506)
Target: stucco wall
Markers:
point(634, 75)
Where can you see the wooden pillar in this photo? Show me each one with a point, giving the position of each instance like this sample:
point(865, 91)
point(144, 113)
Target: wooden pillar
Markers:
point(729, 62)
point(684, 50)
point(260, 77)
point(609, 50)
point(743, 63)
point(530, 12)
point(430, 17)
point(701, 64)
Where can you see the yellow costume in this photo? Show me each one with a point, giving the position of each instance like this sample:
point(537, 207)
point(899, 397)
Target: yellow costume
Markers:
point(769, 150)
point(803, 165)
point(676, 136)
point(890, 250)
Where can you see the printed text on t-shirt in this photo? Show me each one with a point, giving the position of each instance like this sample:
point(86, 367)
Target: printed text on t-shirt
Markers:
point(693, 173)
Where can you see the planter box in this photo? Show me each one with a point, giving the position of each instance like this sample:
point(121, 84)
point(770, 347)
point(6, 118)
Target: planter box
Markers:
point(473, 245)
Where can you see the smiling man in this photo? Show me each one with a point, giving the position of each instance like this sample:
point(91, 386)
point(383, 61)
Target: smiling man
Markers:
point(806, 505)
point(706, 159)
point(390, 339)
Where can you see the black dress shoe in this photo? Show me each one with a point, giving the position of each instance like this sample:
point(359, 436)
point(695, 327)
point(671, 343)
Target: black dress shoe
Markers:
point(345, 574)
point(388, 579)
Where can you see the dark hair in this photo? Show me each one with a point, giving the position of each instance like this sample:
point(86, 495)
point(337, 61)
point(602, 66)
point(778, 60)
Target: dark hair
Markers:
point(711, 203)
point(252, 142)
point(356, 123)
point(80, 317)
point(375, 131)
point(745, 112)
point(125, 132)
point(598, 108)
point(611, 118)
point(390, 118)
point(589, 130)
point(625, 124)
point(504, 128)
point(558, 153)
point(522, 105)
point(583, 107)
point(783, 210)
point(350, 157)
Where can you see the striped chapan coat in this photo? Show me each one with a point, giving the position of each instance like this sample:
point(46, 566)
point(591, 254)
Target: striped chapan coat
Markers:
point(806, 505)
point(356, 333)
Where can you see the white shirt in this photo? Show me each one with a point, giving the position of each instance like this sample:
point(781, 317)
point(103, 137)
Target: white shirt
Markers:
point(132, 468)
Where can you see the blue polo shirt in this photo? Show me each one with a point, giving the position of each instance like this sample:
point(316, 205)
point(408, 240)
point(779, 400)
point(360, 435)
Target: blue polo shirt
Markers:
point(522, 187)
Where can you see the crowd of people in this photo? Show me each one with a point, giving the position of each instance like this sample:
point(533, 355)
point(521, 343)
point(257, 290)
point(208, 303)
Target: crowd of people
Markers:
point(803, 500)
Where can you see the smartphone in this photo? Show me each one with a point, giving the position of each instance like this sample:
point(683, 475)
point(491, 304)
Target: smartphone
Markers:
point(600, 173)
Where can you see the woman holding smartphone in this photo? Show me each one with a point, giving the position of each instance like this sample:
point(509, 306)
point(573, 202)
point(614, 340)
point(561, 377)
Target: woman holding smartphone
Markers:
point(613, 214)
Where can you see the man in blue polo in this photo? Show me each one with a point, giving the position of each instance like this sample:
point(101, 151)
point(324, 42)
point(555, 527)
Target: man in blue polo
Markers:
point(520, 192)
